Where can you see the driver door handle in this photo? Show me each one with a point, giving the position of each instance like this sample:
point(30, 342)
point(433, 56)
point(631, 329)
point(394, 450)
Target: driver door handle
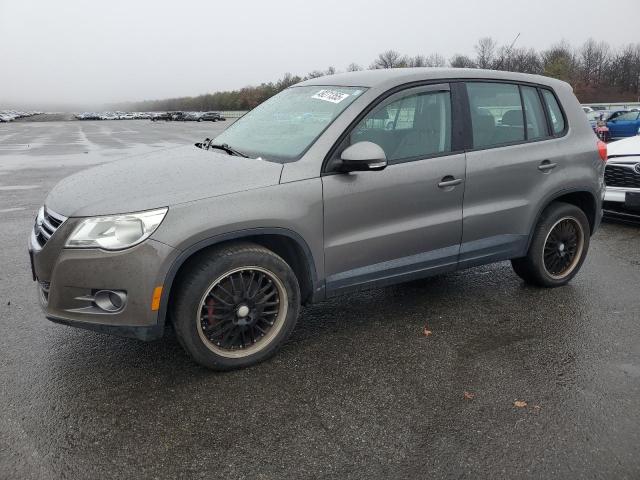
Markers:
point(449, 181)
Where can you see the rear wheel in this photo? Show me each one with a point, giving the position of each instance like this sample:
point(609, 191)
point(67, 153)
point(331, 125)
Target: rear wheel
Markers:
point(235, 306)
point(558, 248)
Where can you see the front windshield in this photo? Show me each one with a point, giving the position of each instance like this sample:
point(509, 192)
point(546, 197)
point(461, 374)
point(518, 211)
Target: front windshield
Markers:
point(283, 127)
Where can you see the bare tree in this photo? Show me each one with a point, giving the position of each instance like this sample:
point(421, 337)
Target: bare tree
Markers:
point(624, 73)
point(435, 60)
point(417, 61)
point(330, 71)
point(519, 60)
point(461, 61)
point(485, 52)
point(593, 59)
point(389, 59)
point(353, 67)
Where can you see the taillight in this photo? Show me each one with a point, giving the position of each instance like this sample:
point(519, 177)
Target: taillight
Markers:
point(602, 150)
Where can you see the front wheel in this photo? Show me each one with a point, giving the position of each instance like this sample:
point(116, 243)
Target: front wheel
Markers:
point(558, 248)
point(235, 306)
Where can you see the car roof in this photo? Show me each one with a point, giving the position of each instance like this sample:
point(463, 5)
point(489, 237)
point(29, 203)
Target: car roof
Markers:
point(391, 77)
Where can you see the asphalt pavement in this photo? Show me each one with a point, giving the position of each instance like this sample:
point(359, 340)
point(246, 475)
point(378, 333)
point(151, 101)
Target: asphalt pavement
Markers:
point(464, 375)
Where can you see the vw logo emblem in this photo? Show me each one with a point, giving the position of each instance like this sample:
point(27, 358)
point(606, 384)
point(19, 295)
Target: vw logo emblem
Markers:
point(637, 168)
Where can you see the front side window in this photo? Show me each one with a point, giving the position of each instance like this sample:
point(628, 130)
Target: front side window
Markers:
point(412, 126)
point(555, 114)
point(536, 123)
point(496, 114)
point(283, 127)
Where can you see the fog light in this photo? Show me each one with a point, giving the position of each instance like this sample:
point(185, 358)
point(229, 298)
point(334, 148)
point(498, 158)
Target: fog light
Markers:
point(110, 300)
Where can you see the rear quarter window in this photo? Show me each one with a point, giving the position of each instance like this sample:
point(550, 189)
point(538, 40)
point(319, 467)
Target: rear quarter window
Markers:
point(555, 112)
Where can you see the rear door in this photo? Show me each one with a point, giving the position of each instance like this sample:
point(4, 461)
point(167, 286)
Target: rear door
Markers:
point(509, 168)
point(403, 221)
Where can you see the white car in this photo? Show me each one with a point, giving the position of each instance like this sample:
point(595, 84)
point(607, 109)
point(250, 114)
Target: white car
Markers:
point(622, 177)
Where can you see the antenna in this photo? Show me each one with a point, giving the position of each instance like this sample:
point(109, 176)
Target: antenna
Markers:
point(508, 51)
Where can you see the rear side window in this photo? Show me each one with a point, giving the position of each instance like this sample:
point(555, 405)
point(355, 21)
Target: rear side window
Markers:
point(536, 123)
point(496, 114)
point(555, 114)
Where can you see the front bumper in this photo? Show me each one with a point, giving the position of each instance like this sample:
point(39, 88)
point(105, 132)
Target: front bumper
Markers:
point(616, 204)
point(69, 278)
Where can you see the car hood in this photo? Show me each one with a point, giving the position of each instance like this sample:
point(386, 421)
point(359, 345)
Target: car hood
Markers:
point(158, 179)
point(622, 148)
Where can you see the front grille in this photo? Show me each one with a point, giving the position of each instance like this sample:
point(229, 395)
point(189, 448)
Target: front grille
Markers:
point(621, 176)
point(47, 222)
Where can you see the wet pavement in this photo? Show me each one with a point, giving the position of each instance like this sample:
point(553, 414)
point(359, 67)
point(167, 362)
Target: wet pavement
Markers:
point(358, 392)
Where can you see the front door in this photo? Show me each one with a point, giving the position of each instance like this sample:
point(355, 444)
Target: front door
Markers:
point(405, 221)
point(624, 125)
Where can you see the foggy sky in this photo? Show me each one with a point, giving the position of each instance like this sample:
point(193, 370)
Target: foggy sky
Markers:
point(99, 51)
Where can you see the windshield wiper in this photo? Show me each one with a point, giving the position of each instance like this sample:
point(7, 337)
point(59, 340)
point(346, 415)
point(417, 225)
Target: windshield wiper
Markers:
point(208, 143)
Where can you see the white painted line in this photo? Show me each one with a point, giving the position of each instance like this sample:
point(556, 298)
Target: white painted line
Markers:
point(18, 187)
point(14, 209)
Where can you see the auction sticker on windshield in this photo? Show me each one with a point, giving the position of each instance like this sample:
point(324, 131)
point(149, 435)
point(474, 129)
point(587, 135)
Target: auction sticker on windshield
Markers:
point(330, 96)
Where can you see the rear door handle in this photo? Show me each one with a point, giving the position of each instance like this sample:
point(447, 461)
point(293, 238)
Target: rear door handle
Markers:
point(546, 165)
point(449, 181)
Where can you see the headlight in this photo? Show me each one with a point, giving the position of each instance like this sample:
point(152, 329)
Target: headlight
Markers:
point(116, 232)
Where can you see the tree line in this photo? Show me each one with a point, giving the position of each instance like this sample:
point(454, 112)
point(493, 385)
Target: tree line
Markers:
point(597, 72)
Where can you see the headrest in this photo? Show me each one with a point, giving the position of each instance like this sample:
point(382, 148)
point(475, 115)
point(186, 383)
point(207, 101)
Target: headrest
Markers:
point(512, 117)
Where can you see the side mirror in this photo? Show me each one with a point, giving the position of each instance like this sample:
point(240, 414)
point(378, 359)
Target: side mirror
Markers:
point(363, 156)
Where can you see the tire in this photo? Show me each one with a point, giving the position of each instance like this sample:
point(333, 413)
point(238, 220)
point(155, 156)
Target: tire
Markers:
point(218, 292)
point(558, 248)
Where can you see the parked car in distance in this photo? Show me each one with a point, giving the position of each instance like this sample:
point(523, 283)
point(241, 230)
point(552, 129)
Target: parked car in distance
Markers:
point(211, 117)
point(598, 120)
point(626, 124)
point(11, 115)
point(188, 116)
point(166, 116)
point(587, 109)
point(227, 240)
point(622, 178)
point(179, 116)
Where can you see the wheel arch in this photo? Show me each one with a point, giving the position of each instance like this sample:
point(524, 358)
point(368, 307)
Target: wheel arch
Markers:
point(284, 242)
point(583, 198)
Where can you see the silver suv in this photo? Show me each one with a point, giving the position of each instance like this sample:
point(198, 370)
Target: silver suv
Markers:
point(338, 183)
